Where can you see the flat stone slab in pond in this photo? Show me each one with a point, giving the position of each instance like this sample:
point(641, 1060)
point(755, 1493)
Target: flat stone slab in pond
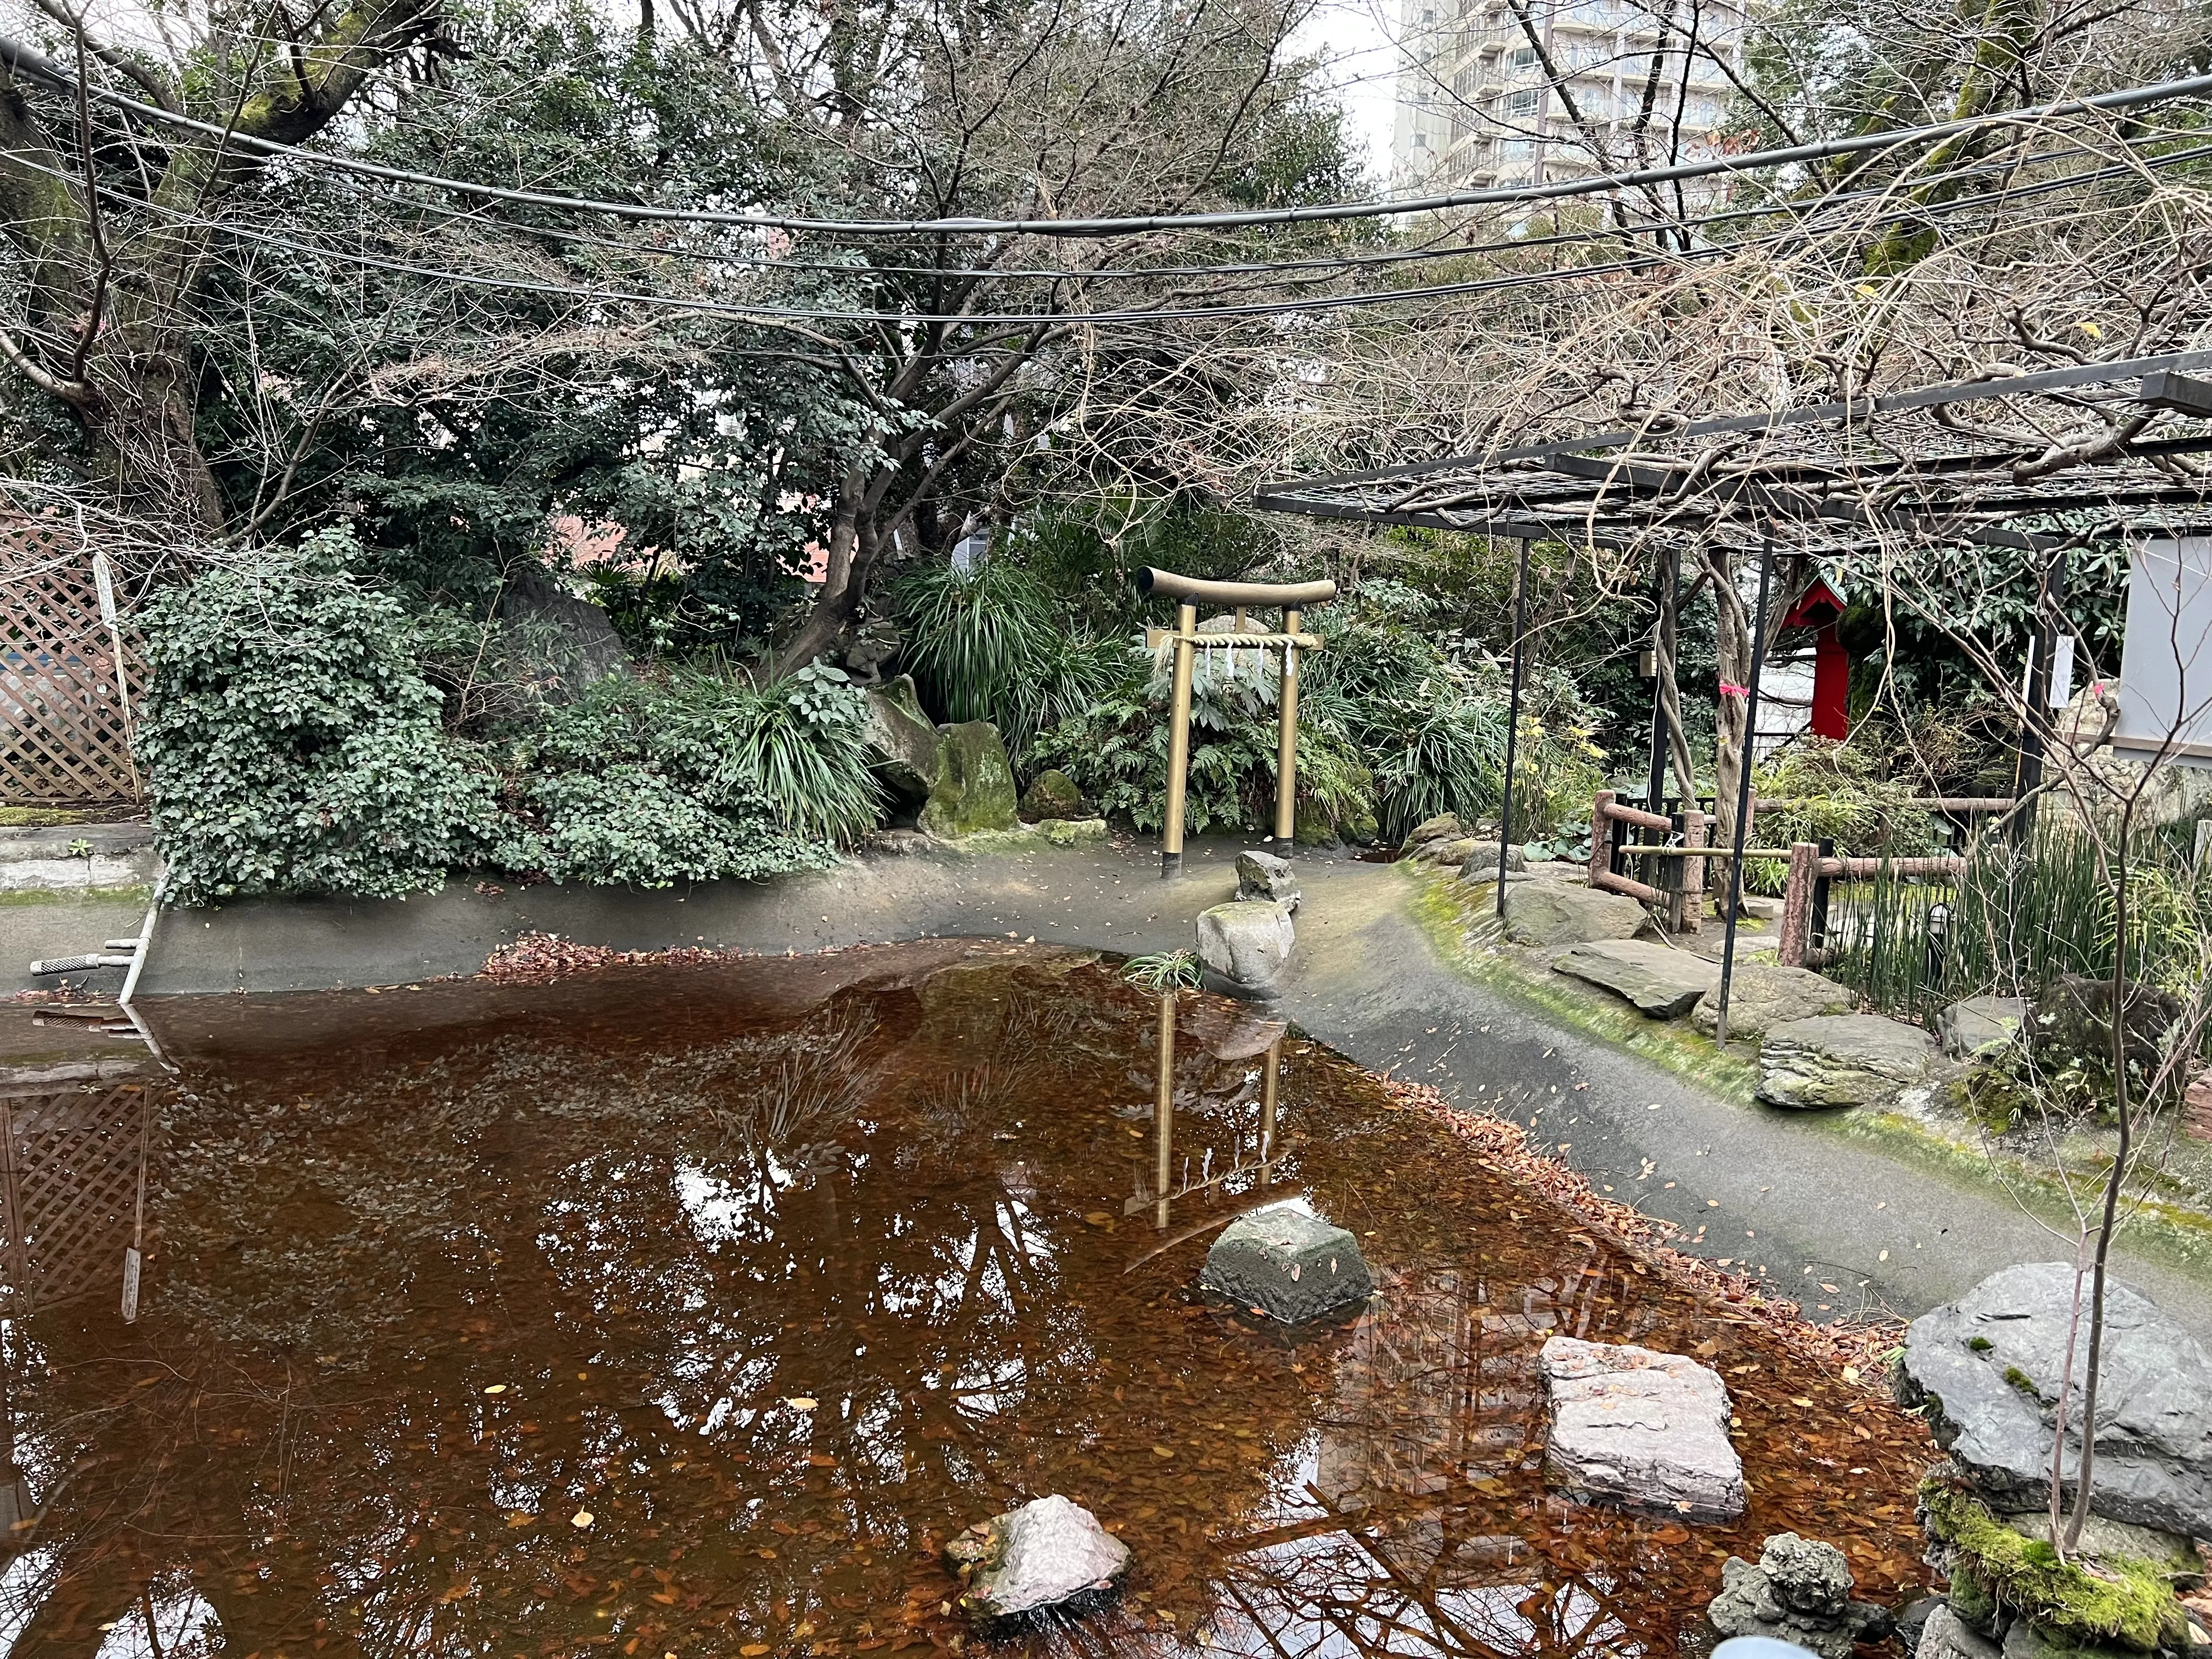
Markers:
point(1049, 1554)
point(1988, 1364)
point(1763, 996)
point(1244, 946)
point(1842, 1060)
point(1980, 1025)
point(1647, 1429)
point(1288, 1264)
point(1557, 913)
point(1664, 982)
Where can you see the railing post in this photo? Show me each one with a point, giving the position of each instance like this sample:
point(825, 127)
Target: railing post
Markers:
point(1685, 912)
point(1600, 853)
point(1797, 905)
point(1816, 926)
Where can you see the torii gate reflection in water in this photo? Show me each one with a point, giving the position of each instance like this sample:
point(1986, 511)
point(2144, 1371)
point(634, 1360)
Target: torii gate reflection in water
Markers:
point(1291, 598)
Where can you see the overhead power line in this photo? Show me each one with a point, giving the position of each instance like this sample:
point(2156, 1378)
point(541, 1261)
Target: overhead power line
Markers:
point(1322, 267)
point(773, 314)
point(24, 61)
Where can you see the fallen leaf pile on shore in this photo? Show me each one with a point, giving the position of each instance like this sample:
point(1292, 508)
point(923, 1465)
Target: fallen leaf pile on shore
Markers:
point(538, 958)
point(1856, 1351)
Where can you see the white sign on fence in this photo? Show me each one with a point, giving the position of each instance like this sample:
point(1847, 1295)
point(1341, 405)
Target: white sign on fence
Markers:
point(2166, 663)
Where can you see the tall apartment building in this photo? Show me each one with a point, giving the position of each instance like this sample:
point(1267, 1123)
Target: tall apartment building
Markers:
point(1475, 106)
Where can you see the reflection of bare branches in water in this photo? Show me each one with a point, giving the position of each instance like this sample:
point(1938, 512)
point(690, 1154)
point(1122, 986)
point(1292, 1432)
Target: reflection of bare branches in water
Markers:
point(803, 1083)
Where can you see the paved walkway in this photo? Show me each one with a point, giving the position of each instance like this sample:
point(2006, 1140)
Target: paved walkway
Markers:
point(1779, 1191)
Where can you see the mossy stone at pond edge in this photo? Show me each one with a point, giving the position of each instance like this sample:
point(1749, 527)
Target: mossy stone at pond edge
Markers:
point(1052, 794)
point(974, 788)
point(2129, 1601)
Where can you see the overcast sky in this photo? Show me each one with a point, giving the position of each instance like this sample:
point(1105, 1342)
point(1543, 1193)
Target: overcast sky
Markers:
point(1359, 40)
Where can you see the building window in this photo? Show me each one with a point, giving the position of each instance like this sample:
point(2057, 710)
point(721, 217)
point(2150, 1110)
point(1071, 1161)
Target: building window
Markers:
point(1522, 106)
point(1521, 57)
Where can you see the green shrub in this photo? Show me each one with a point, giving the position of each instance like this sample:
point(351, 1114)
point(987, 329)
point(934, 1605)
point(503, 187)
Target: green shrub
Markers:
point(291, 743)
point(690, 776)
point(630, 825)
point(1829, 791)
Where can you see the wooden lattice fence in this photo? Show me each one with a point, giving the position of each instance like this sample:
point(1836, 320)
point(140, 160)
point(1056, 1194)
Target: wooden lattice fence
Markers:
point(72, 664)
point(72, 1164)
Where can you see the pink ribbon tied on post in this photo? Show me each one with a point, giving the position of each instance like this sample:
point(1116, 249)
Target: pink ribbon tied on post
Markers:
point(1728, 690)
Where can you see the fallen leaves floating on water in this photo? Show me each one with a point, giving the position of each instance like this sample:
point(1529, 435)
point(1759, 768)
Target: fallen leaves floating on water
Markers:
point(581, 1519)
point(801, 1403)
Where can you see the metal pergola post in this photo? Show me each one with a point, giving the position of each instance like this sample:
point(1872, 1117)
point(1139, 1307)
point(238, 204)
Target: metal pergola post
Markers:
point(2035, 718)
point(1512, 717)
point(1669, 583)
point(1743, 787)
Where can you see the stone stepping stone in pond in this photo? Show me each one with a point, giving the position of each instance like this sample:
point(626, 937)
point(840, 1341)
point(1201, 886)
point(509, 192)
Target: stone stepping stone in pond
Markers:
point(1048, 1556)
point(1664, 982)
point(1288, 1264)
point(1647, 1429)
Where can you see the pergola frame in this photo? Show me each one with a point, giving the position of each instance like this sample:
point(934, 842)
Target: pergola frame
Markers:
point(1832, 478)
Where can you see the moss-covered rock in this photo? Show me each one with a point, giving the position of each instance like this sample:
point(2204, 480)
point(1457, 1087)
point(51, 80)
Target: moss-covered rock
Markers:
point(1052, 795)
point(973, 789)
point(2120, 1599)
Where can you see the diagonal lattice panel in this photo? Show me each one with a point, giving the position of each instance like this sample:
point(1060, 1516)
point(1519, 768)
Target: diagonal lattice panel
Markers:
point(64, 730)
point(69, 1168)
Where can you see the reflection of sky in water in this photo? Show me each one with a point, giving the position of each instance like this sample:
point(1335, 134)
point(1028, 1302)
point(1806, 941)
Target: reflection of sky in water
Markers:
point(928, 1207)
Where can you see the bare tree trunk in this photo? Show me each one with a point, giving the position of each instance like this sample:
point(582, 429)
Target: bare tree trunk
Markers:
point(2115, 1181)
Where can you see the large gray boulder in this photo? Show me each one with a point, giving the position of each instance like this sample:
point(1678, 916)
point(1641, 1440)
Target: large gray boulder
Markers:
point(1556, 912)
point(1987, 1369)
point(1481, 865)
point(547, 638)
point(1980, 1025)
point(973, 788)
point(899, 739)
point(1052, 798)
point(1842, 1060)
point(1445, 826)
point(1648, 1429)
point(1763, 996)
point(1664, 982)
point(1244, 946)
point(1264, 876)
point(1288, 1264)
point(1800, 1591)
point(1049, 1555)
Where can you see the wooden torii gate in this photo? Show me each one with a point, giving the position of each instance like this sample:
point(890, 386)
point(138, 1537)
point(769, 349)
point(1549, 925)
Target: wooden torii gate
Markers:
point(1291, 598)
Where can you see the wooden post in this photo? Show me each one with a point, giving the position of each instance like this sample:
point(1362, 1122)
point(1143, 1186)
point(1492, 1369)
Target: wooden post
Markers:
point(1685, 911)
point(1286, 746)
point(1164, 1112)
point(1178, 741)
point(1602, 834)
point(1797, 905)
point(1269, 1085)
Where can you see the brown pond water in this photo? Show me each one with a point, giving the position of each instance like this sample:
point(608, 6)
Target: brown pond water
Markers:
point(688, 1310)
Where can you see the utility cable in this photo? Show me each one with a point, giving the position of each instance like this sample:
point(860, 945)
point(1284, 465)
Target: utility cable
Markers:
point(24, 61)
point(773, 314)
